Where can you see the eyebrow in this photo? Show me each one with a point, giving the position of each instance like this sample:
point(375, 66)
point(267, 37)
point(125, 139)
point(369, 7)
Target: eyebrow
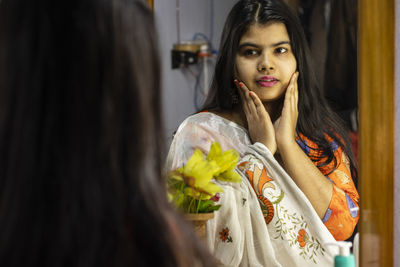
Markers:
point(257, 46)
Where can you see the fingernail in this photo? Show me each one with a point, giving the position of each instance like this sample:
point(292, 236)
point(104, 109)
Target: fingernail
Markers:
point(235, 81)
point(240, 84)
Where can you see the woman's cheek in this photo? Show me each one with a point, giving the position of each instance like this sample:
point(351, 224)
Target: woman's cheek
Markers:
point(243, 70)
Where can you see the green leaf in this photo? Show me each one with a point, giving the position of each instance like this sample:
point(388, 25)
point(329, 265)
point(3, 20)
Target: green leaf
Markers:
point(211, 209)
point(206, 206)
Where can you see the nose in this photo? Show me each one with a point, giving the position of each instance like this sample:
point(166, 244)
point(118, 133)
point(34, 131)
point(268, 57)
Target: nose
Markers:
point(265, 64)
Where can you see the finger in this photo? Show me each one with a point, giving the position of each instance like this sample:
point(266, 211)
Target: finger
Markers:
point(287, 103)
point(242, 97)
point(296, 91)
point(291, 91)
point(296, 103)
point(249, 101)
point(288, 92)
point(293, 79)
point(260, 109)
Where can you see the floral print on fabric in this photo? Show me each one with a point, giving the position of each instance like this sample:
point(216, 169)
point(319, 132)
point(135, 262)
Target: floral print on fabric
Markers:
point(288, 224)
point(224, 235)
point(302, 238)
point(260, 181)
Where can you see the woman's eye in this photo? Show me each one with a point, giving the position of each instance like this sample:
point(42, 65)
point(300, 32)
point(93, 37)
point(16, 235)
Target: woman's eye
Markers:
point(281, 50)
point(250, 52)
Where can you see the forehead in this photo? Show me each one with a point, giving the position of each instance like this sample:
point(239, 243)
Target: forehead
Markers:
point(270, 33)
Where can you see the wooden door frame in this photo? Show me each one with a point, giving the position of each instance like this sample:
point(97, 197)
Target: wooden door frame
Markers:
point(376, 65)
point(151, 4)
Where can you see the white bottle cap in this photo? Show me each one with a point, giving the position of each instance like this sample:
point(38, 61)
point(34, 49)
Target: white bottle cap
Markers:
point(344, 247)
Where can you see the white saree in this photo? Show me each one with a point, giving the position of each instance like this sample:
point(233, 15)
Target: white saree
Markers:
point(264, 221)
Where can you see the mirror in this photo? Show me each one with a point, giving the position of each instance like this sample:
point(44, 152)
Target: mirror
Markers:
point(376, 89)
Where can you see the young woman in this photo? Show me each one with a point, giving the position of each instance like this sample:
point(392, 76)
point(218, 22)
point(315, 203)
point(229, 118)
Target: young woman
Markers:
point(296, 161)
point(80, 131)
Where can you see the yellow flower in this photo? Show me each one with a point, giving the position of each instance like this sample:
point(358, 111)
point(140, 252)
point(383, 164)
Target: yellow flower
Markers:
point(227, 162)
point(198, 173)
point(190, 188)
point(230, 176)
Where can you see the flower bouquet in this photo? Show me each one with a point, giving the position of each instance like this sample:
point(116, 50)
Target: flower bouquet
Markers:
point(191, 188)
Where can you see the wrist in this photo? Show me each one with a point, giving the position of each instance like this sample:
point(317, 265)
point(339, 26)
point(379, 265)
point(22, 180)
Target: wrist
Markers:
point(272, 148)
point(287, 146)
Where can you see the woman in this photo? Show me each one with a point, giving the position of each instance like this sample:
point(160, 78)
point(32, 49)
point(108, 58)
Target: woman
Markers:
point(80, 139)
point(264, 102)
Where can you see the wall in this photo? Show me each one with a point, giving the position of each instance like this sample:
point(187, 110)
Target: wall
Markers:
point(178, 85)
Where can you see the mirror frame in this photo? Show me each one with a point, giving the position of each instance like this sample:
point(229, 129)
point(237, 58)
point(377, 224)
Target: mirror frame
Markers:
point(151, 4)
point(376, 76)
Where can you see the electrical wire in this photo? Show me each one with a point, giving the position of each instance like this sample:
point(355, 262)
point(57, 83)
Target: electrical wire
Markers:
point(203, 68)
point(196, 93)
point(197, 86)
point(211, 23)
point(178, 30)
point(201, 35)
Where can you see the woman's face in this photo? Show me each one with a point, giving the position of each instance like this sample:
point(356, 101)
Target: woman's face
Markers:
point(265, 61)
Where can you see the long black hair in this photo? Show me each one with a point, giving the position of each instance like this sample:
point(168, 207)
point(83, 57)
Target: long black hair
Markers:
point(80, 139)
point(316, 120)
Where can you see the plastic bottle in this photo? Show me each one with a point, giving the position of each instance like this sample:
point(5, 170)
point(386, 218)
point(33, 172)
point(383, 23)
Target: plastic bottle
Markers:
point(345, 258)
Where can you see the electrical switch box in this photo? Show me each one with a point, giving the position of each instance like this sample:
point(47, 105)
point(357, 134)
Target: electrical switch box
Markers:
point(183, 58)
point(187, 53)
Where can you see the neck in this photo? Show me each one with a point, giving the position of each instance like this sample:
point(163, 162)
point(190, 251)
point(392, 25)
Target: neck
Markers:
point(237, 114)
point(274, 109)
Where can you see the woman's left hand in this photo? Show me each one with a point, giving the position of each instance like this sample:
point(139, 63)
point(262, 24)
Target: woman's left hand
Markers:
point(285, 126)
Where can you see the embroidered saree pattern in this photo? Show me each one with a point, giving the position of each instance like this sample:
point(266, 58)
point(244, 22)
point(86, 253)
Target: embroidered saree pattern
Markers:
point(289, 225)
point(264, 221)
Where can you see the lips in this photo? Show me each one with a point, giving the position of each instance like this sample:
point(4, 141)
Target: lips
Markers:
point(267, 81)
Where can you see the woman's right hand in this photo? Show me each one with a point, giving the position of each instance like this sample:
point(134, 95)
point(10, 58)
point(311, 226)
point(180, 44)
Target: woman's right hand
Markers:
point(259, 122)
